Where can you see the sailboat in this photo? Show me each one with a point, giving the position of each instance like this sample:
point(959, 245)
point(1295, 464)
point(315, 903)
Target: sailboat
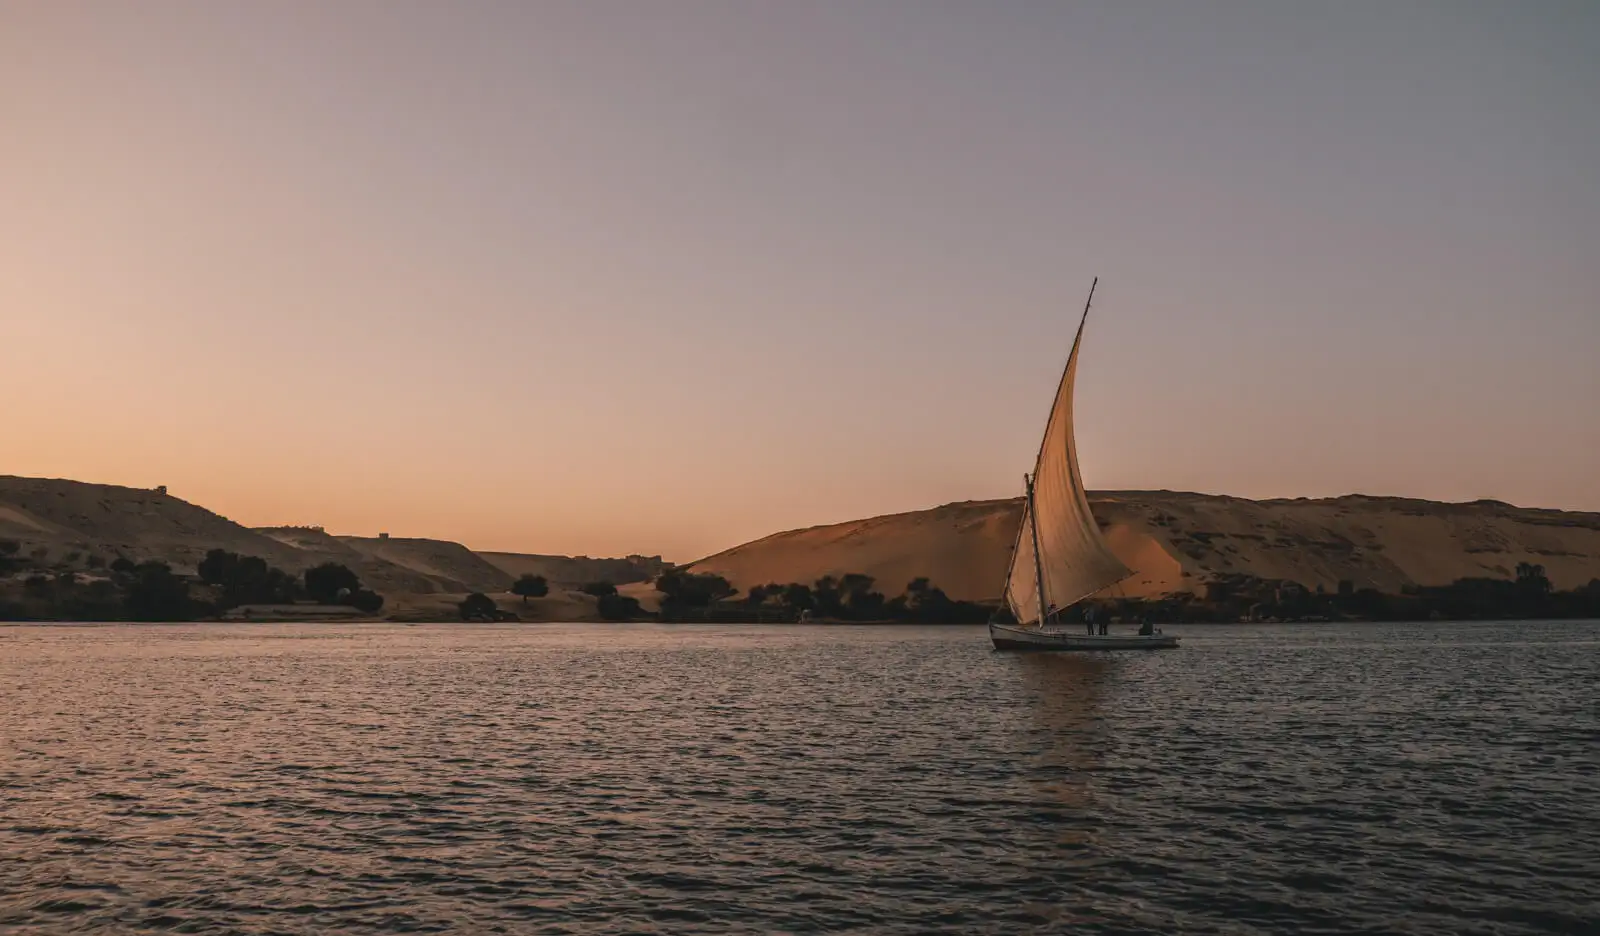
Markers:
point(1060, 558)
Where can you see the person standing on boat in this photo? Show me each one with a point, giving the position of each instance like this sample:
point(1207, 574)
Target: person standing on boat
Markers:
point(1088, 620)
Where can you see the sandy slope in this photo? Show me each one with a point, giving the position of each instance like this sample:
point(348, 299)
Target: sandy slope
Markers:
point(451, 565)
point(375, 572)
point(1175, 541)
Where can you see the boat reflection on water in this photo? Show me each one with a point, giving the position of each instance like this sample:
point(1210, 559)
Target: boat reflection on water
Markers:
point(1066, 697)
point(1066, 735)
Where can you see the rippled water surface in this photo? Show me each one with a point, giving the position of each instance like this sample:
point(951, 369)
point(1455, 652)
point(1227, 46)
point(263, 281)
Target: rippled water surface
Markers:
point(527, 778)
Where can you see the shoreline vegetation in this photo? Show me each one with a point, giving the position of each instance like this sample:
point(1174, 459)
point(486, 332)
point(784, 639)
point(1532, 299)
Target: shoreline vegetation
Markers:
point(232, 587)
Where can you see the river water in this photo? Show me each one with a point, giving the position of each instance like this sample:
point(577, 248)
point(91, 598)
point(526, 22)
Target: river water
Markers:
point(589, 778)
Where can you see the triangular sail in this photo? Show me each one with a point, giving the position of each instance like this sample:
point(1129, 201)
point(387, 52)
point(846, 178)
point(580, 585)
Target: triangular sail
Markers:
point(1074, 561)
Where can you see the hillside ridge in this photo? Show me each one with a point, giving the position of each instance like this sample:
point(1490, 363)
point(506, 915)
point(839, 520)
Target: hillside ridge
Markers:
point(1174, 541)
point(1177, 541)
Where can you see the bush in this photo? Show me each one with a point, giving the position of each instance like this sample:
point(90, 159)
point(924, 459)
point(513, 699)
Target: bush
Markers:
point(478, 607)
point(330, 582)
point(599, 589)
point(365, 600)
point(615, 607)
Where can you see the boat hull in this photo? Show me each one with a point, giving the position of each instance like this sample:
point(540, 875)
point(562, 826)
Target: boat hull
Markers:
point(1034, 639)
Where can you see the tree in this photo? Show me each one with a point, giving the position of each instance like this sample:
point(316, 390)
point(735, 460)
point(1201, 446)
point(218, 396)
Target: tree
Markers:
point(1531, 577)
point(857, 596)
point(825, 595)
point(246, 579)
point(123, 565)
point(691, 590)
point(329, 582)
point(218, 567)
point(932, 605)
point(155, 594)
point(798, 597)
point(478, 607)
point(599, 589)
point(756, 596)
point(530, 586)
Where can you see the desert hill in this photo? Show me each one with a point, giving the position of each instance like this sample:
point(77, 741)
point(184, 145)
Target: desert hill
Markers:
point(62, 519)
point(62, 523)
point(1176, 541)
point(65, 516)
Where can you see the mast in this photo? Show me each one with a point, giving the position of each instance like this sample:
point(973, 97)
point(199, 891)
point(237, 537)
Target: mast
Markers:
point(1038, 562)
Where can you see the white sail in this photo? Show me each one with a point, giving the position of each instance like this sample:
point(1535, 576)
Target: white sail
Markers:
point(1073, 559)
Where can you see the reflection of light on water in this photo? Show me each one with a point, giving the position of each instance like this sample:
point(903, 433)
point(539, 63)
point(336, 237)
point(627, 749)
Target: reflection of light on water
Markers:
point(1065, 694)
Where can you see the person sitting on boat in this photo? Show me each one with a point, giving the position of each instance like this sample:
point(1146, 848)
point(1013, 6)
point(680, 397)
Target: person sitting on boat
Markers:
point(1145, 628)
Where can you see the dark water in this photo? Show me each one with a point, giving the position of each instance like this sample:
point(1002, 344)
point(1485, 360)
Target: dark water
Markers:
point(315, 778)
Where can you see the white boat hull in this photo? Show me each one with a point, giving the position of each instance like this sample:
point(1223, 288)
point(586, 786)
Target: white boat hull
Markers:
point(1032, 638)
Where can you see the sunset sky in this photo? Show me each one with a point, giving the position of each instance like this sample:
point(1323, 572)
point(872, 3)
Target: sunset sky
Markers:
point(661, 277)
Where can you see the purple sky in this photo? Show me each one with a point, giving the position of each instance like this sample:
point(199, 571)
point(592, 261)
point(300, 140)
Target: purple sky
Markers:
point(614, 277)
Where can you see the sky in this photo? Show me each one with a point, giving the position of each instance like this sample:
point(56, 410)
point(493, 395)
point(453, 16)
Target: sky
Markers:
point(606, 276)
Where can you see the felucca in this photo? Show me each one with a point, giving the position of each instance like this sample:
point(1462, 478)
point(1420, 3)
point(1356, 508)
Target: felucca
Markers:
point(1060, 558)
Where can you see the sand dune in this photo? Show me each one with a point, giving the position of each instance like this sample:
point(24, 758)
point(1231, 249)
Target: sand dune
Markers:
point(1176, 541)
